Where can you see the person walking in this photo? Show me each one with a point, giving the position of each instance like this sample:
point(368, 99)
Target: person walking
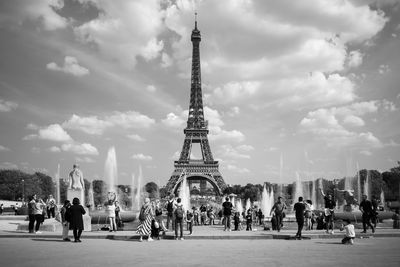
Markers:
point(179, 213)
point(76, 224)
point(367, 212)
point(329, 211)
point(277, 212)
point(146, 217)
point(65, 220)
point(227, 212)
point(299, 208)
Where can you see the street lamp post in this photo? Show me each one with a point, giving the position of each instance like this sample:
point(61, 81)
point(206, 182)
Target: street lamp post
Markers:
point(23, 191)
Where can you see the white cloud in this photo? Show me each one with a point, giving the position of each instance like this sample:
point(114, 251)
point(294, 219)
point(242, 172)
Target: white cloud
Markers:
point(80, 149)
point(236, 169)
point(54, 132)
point(166, 60)
point(366, 153)
point(151, 88)
point(354, 59)
point(175, 121)
point(54, 149)
point(84, 159)
point(89, 125)
point(97, 126)
point(71, 66)
point(123, 30)
point(136, 137)
point(325, 125)
point(245, 148)
point(3, 148)
point(140, 156)
point(8, 166)
point(383, 69)
point(6, 106)
point(44, 13)
point(229, 152)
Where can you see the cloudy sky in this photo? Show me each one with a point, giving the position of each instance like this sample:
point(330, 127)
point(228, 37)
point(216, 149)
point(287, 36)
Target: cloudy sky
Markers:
point(308, 87)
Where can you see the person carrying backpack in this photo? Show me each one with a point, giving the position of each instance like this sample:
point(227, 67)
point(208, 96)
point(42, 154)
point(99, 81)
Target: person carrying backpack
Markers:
point(170, 211)
point(179, 216)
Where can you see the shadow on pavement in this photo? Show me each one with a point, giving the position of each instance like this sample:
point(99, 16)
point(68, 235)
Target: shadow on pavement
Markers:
point(330, 243)
point(49, 240)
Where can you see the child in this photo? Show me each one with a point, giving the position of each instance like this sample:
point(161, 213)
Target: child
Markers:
point(249, 220)
point(236, 220)
point(189, 220)
point(350, 233)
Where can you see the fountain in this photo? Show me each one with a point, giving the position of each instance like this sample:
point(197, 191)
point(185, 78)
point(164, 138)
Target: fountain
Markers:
point(239, 206)
point(110, 170)
point(267, 200)
point(58, 201)
point(314, 193)
point(184, 193)
point(366, 185)
point(90, 202)
point(298, 188)
point(139, 189)
point(358, 185)
point(248, 204)
point(133, 192)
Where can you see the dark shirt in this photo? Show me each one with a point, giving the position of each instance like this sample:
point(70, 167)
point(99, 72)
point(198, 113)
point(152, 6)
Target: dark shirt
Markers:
point(299, 207)
point(249, 218)
point(329, 203)
point(366, 206)
point(227, 206)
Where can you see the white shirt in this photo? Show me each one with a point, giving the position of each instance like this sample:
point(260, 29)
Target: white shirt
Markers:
point(350, 230)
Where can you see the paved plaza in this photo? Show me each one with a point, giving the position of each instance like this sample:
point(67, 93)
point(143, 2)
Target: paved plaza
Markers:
point(38, 251)
point(208, 246)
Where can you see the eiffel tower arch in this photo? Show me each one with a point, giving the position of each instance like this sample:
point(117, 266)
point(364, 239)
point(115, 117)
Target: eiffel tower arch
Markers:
point(205, 170)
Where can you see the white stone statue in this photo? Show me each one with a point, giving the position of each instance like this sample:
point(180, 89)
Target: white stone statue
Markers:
point(76, 179)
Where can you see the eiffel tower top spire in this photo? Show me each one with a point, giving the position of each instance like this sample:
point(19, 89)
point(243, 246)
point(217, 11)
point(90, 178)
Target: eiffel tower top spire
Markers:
point(196, 113)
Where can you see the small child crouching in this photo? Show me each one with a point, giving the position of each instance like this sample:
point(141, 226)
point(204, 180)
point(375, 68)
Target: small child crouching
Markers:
point(350, 233)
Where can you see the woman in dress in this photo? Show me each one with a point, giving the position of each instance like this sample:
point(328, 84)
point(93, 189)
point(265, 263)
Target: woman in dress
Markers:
point(111, 215)
point(76, 223)
point(146, 216)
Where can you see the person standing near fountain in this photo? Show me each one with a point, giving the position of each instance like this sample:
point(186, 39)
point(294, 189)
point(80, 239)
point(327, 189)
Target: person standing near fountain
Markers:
point(65, 220)
point(367, 212)
point(76, 223)
point(111, 215)
point(299, 208)
point(329, 210)
point(170, 211)
point(145, 219)
point(227, 212)
point(179, 213)
point(277, 211)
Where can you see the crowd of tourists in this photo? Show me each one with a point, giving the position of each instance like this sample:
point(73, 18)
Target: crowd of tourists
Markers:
point(151, 223)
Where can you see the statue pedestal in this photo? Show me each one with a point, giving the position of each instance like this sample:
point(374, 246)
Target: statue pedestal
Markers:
point(87, 220)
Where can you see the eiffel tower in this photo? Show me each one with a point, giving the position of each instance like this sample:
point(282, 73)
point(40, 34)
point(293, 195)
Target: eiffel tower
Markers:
point(196, 131)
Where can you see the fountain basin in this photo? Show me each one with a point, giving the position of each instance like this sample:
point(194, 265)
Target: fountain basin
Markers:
point(100, 216)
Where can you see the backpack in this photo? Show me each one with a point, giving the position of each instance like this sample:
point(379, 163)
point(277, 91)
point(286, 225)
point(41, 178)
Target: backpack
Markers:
point(170, 207)
point(142, 214)
point(179, 212)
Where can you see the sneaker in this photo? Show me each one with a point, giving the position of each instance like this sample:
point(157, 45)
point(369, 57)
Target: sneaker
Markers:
point(373, 230)
point(150, 239)
point(67, 239)
point(182, 238)
point(332, 232)
point(38, 232)
point(229, 230)
point(79, 240)
point(140, 239)
point(351, 242)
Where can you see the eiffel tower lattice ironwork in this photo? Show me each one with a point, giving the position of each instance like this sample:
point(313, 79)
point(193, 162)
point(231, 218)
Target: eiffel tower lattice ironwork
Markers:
point(196, 131)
